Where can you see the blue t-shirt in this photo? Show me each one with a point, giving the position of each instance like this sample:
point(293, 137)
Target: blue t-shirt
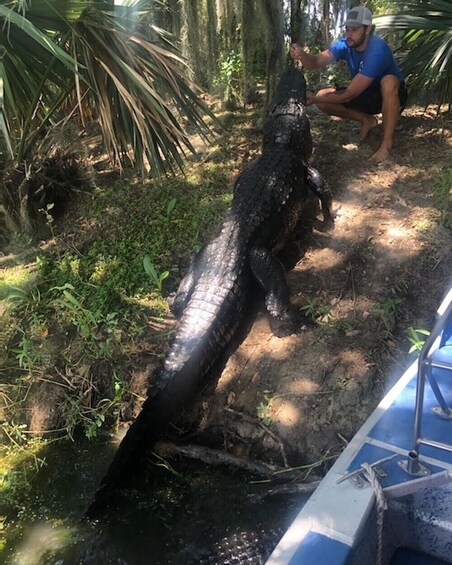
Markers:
point(376, 61)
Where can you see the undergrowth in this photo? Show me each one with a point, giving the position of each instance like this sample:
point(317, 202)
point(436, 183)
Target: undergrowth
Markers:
point(97, 284)
point(76, 306)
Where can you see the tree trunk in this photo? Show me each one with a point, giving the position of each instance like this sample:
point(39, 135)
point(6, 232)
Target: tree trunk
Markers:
point(248, 48)
point(300, 19)
point(212, 40)
point(296, 22)
point(172, 18)
point(325, 23)
point(273, 16)
point(232, 19)
point(191, 39)
point(24, 213)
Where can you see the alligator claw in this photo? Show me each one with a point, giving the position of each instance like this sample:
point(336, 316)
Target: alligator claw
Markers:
point(292, 322)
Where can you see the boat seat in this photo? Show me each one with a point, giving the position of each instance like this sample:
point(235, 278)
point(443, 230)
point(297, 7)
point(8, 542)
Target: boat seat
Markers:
point(443, 355)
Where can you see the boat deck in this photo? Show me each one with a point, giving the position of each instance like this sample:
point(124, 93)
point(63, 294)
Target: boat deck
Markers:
point(329, 527)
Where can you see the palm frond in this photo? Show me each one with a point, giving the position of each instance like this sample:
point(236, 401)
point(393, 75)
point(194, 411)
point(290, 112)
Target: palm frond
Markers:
point(4, 129)
point(140, 90)
point(93, 55)
point(425, 28)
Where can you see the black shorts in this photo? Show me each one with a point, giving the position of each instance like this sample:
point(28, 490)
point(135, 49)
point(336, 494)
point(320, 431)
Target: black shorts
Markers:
point(370, 102)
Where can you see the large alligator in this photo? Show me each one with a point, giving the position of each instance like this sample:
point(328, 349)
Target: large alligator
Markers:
point(268, 199)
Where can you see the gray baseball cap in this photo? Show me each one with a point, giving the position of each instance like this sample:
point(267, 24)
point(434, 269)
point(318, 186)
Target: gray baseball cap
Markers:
point(359, 16)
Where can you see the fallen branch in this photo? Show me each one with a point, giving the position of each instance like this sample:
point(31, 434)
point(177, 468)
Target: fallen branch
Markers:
point(215, 457)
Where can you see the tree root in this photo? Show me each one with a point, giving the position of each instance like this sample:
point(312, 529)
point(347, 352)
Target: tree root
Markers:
point(215, 457)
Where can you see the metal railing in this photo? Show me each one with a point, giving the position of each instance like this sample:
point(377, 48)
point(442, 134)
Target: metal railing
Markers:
point(426, 363)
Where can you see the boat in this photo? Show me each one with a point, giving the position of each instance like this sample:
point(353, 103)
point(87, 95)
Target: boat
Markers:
point(387, 500)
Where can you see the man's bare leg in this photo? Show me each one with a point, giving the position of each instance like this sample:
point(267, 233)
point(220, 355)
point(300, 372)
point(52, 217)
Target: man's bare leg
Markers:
point(391, 110)
point(366, 126)
point(367, 121)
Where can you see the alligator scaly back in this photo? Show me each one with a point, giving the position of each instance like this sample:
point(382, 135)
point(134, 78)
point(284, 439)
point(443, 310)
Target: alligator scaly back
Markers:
point(209, 320)
point(268, 199)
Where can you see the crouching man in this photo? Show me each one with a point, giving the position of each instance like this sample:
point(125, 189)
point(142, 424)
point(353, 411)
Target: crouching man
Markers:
point(376, 86)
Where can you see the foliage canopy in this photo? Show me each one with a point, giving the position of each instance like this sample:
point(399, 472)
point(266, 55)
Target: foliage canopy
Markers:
point(72, 59)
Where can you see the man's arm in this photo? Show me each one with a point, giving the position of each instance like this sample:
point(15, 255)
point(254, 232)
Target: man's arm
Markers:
point(308, 60)
point(357, 85)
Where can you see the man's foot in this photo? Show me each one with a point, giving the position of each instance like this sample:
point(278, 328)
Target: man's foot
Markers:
point(381, 154)
point(366, 126)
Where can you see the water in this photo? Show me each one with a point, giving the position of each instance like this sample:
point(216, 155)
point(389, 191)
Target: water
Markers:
point(170, 515)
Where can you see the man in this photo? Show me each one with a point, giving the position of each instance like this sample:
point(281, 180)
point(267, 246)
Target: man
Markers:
point(377, 83)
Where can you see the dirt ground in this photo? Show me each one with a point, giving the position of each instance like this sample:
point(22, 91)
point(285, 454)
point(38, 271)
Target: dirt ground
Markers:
point(384, 267)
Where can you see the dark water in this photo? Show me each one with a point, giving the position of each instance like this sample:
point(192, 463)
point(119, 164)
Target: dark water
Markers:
point(185, 513)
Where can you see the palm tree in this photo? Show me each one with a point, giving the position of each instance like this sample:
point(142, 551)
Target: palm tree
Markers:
point(426, 46)
point(78, 58)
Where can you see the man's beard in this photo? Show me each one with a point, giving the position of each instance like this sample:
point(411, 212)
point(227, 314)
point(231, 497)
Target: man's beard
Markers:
point(356, 42)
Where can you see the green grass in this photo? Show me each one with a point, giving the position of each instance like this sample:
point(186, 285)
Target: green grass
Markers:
point(131, 222)
point(14, 276)
point(96, 289)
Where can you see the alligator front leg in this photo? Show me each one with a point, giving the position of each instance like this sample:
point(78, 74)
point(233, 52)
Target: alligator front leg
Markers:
point(318, 185)
point(269, 272)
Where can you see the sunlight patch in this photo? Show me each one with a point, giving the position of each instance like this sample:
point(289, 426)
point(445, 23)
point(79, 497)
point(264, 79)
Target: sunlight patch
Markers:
point(287, 414)
point(347, 211)
point(397, 231)
point(304, 386)
point(350, 146)
point(324, 259)
point(40, 540)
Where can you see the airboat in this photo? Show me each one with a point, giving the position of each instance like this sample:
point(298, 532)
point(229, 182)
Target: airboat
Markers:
point(388, 498)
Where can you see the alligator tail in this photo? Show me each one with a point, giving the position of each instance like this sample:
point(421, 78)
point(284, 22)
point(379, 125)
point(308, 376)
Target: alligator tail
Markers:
point(209, 320)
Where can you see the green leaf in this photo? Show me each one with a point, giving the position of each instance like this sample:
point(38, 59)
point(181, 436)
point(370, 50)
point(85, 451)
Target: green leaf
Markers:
point(149, 268)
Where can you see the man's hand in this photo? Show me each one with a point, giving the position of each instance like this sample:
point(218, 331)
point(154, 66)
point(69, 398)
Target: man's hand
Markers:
point(296, 51)
point(309, 61)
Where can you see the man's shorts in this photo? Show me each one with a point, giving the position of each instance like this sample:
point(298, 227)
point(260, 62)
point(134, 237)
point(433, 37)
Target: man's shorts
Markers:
point(370, 101)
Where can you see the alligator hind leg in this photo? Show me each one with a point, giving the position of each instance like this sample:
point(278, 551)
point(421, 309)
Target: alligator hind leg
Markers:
point(318, 185)
point(269, 272)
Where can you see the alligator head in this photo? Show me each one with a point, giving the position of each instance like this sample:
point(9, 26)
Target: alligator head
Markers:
point(287, 127)
point(292, 86)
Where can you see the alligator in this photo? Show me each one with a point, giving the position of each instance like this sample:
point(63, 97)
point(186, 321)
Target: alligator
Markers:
point(268, 198)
